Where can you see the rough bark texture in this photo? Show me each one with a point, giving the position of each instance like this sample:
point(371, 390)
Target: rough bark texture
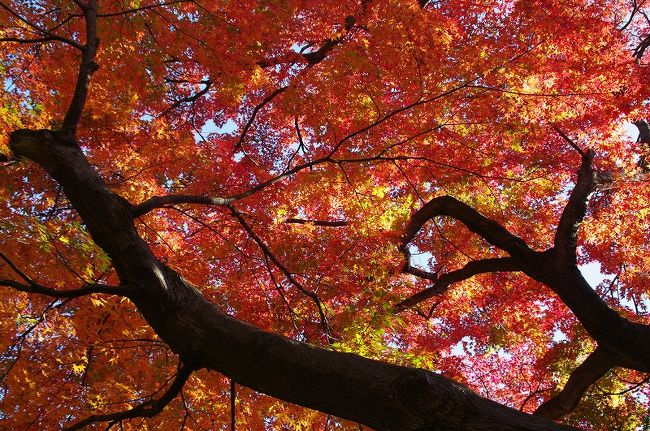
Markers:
point(379, 395)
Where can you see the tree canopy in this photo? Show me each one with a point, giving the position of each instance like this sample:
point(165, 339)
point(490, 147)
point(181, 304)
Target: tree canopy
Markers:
point(292, 214)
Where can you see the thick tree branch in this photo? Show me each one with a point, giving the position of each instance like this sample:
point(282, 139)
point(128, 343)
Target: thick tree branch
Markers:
point(383, 396)
point(625, 341)
point(566, 233)
point(644, 131)
point(597, 364)
point(86, 69)
point(641, 48)
point(442, 282)
point(145, 410)
point(488, 229)
point(233, 402)
point(165, 201)
point(644, 140)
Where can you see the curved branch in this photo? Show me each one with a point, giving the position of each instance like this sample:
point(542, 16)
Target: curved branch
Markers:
point(597, 364)
point(147, 409)
point(442, 282)
point(644, 131)
point(635, 9)
point(644, 140)
point(488, 229)
point(567, 230)
point(163, 201)
point(556, 268)
point(15, 268)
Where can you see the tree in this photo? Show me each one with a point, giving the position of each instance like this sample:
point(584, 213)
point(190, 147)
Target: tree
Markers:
point(362, 208)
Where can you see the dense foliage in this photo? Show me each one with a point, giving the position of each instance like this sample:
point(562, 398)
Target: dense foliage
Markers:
point(412, 182)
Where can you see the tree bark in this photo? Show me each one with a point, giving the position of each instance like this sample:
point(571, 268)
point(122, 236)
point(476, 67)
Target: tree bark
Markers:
point(376, 394)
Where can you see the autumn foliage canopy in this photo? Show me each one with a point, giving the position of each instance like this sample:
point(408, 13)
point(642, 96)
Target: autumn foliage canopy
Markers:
point(423, 184)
